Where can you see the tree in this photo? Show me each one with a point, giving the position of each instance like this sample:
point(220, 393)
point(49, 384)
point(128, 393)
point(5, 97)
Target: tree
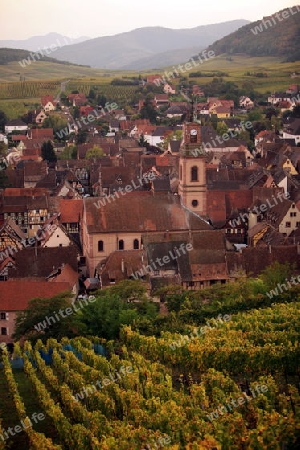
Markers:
point(76, 112)
point(130, 290)
point(148, 111)
point(34, 318)
point(276, 273)
point(81, 136)
point(94, 152)
point(69, 152)
point(3, 120)
point(222, 128)
point(255, 115)
point(58, 124)
point(48, 152)
point(101, 100)
point(92, 94)
point(296, 112)
point(106, 315)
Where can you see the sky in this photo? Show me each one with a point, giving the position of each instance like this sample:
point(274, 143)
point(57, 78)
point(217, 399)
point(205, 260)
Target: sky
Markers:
point(20, 19)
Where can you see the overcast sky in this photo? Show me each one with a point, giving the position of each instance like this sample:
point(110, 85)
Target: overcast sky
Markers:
point(20, 19)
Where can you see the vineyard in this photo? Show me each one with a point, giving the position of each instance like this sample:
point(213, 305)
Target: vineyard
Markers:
point(154, 393)
point(28, 89)
point(112, 93)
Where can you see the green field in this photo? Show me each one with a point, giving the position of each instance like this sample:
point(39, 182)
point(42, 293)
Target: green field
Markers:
point(42, 70)
point(278, 73)
point(17, 108)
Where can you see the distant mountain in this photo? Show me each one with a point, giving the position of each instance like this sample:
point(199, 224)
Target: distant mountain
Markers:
point(34, 43)
point(276, 35)
point(164, 59)
point(137, 49)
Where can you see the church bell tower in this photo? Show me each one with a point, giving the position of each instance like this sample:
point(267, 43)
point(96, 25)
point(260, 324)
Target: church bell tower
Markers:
point(192, 171)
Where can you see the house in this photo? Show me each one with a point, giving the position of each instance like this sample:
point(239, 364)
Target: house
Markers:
point(161, 100)
point(37, 116)
point(42, 134)
point(203, 109)
point(196, 90)
point(253, 260)
point(222, 112)
point(70, 215)
point(66, 274)
point(3, 138)
point(77, 99)
point(278, 97)
point(27, 210)
point(10, 234)
point(291, 130)
point(175, 111)
point(284, 217)
point(48, 103)
point(15, 125)
point(221, 108)
point(40, 262)
point(15, 296)
point(246, 103)
point(34, 171)
point(196, 259)
point(114, 126)
point(155, 79)
point(86, 110)
point(58, 238)
point(120, 265)
point(169, 89)
point(293, 89)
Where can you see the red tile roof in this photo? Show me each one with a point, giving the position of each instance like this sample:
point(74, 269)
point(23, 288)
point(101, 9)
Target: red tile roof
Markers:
point(42, 133)
point(70, 210)
point(140, 213)
point(25, 192)
point(46, 99)
point(15, 294)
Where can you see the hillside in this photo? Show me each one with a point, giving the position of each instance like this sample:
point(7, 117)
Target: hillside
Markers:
point(271, 36)
point(126, 50)
point(8, 55)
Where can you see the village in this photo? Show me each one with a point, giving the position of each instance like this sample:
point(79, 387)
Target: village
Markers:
point(102, 195)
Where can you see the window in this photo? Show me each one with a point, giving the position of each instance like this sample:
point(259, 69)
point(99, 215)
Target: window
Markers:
point(180, 173)
point(297, 224)
point(100, 246)
point(121, 244)
point(136, 244)
point(194, 173)
point(3, 316)
point(293, 214)
point(194, 203)
point(288, 224)
point(4, 331)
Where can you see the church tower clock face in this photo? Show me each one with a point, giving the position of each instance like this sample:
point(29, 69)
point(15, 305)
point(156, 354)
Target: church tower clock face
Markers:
point(193, 136)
